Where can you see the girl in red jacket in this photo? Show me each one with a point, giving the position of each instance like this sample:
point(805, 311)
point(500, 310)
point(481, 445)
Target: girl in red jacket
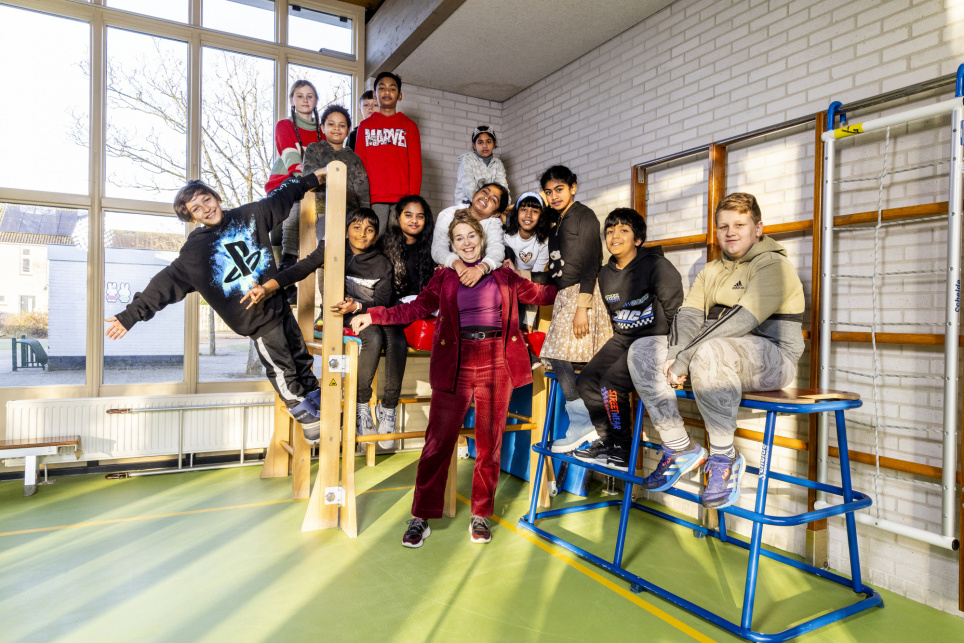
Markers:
point(477, 352)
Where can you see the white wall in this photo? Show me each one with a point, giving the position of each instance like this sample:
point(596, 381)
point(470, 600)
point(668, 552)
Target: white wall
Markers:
point(701, 71)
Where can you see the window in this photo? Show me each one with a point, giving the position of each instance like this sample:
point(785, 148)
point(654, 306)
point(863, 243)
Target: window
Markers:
point(175, 10)
point(252, 18)
point(146, 116)
point(319, 31)
point(137, 247)
point(45, 111)
point(43, 260)
point(332, 87)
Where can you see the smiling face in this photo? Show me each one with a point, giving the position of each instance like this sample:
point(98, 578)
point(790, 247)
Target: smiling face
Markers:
point(412, 221)
point(304, 101)
point(559, 195)
point(205, 209)
point(621, 242)
point(336, 129)
point(467, 243)
point(528, 219)
point(484, 145)
point(361, 236)
point(736, 233)
point(485, 202)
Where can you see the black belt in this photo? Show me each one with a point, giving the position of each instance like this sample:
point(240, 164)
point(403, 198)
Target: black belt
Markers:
point(481, 334)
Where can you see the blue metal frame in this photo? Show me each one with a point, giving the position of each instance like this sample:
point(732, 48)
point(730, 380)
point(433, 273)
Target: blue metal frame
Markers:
point(959, 87)
point(852, 501)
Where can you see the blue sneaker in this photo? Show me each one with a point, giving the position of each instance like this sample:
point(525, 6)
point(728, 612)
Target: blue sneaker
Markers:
point(307, 415)
point(671, 467)
point(315, 397)
point(723, 477)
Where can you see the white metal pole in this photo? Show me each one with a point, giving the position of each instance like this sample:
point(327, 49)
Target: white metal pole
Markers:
point(899, 529)
point(826, 302)
point(952, 331)
point(884, 122)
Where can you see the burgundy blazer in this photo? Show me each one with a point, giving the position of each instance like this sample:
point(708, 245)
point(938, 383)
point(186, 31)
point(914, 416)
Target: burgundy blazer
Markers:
point(441, 294)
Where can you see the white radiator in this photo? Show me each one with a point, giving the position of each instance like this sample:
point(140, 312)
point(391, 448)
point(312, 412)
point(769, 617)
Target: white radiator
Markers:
point(105, 436)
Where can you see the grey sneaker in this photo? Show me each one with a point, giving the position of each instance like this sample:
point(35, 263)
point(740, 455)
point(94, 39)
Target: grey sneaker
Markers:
point(364, 425)
point(312, 432)
point(386, 424)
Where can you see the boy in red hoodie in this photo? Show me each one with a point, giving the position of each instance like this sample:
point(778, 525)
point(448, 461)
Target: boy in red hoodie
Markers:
point(389, 145)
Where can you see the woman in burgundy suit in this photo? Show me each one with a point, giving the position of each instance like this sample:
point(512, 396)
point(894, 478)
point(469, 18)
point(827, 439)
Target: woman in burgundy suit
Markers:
point(477, 352)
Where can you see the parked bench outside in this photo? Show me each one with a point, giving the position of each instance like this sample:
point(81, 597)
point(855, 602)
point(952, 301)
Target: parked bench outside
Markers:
point(32, 353)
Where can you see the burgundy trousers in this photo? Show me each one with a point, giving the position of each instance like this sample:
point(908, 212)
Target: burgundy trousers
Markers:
point(482, 375)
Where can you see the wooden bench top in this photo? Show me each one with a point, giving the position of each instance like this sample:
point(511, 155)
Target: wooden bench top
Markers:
point(70, 440)
point(799, 395)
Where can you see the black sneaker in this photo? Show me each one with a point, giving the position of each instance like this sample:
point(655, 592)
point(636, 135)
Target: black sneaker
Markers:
point(595, 453)
point(418, 530)
point(479, 530)
point(618, 459)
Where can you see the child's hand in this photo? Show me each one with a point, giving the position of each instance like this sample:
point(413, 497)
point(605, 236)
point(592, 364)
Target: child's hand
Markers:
point(507, 263)
point(322, 174)
point(116, 330)
point(459, 266)
point(580, 323)
point(527, 328)
point(361, 322)
point(254, 296)
point(346, 306)
point(672, 379)
point(472, 275)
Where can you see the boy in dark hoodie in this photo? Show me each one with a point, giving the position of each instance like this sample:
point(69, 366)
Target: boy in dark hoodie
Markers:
point(368, 282)
point(227, 254)
point(642, 291)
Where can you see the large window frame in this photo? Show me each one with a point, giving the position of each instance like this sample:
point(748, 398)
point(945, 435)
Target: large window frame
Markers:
point(99, 17)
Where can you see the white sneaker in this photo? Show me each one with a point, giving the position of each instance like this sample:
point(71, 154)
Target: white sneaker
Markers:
point(364, 425)
point(386, 424)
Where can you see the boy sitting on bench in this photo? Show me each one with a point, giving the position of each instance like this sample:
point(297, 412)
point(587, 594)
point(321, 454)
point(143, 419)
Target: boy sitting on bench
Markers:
point(739, 329)
point(222, 259)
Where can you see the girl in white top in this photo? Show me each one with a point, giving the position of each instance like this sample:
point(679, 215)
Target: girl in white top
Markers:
point(488, 203)
point(527, 229)
point(478, 166)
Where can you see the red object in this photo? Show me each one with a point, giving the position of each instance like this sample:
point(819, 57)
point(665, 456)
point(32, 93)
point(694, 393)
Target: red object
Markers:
point(419, 334)
point(442, 293)
point(535, 340)
point(286, 141)
point(391, 149)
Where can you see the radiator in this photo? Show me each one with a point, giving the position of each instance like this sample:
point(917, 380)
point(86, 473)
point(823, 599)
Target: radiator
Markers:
point(105, 436)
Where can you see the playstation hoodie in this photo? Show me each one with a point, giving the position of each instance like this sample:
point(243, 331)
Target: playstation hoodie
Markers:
point(643, 297)
point(225, 261)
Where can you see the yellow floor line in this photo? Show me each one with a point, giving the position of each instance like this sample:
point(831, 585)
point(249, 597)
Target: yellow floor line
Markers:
point(176, 513)
point(599, 578)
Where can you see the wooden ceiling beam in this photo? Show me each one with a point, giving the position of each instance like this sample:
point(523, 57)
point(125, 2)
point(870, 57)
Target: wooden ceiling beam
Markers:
point(399, 27)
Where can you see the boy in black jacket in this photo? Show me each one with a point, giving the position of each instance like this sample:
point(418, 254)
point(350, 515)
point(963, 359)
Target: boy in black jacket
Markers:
point(228, 254)
point(368, 282)
point(642, 291)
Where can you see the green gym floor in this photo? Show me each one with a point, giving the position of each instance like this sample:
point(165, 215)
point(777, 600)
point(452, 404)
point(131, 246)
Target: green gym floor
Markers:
point(220, 556)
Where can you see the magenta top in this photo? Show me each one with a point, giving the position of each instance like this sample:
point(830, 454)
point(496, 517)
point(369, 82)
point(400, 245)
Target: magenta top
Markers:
point(481, 305)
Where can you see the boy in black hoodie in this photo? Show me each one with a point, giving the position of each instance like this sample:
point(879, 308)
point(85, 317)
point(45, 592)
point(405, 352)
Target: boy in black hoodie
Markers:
point(368, 282)
point(642, 291)
point(229, 253)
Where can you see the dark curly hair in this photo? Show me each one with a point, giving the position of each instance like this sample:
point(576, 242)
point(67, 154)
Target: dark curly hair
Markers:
point(547, 216)
point(393, 246)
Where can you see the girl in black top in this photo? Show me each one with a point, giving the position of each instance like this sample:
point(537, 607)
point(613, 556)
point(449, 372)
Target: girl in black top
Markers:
point(408, 245)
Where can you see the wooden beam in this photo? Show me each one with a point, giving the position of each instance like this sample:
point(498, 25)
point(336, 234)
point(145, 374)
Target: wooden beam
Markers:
point(714, 194)
point(816, 282)
point(637, 190)
point(399, 27)
point(892, 214)
point(677, 241)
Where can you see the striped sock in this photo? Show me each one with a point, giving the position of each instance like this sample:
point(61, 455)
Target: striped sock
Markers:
point(682, 444)
point(728, 450)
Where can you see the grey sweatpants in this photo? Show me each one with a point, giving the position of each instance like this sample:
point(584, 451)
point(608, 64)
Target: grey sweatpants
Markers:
point(721, 369)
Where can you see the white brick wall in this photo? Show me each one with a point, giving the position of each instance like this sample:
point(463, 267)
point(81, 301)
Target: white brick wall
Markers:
point(700, 71)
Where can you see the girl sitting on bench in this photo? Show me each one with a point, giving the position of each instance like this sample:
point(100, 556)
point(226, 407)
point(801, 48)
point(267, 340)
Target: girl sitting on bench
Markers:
point(739, 329)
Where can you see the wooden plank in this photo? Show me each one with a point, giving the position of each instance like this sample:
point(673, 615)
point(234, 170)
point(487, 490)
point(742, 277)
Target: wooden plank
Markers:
point(784, 228)
point(892, 214)
point(816, 283)
point(276, 461)
point(300, 464)
point(71, 440)
point(756, 436)
point(677, 241)
point(799, 395)
point(318, 514)
point(637, 190)
point(916, 339)
point(399, 27)
point(914, 468)
point(715, 193)
point(348, 514)
point(305, 311)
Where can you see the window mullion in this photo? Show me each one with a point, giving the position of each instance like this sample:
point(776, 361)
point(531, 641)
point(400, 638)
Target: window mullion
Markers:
point(95, 241)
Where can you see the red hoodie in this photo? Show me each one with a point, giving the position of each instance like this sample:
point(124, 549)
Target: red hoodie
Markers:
point(391, 150)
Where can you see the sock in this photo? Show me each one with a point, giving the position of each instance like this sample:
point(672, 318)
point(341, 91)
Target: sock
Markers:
point(682, 444)
point(728, 450)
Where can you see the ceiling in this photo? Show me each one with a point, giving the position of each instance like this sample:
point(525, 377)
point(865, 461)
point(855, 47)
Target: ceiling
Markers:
point(493, 49)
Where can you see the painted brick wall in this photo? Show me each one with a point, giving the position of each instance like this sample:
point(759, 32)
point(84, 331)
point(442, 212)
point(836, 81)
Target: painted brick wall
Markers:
point(700, 71)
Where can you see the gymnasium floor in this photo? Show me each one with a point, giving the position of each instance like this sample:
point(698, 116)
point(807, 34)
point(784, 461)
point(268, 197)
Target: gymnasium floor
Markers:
point(220, 555)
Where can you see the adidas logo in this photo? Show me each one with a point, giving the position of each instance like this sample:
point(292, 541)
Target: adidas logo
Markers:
point(739, 286)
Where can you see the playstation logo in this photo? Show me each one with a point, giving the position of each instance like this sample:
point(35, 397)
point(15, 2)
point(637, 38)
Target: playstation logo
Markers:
point(244, 263)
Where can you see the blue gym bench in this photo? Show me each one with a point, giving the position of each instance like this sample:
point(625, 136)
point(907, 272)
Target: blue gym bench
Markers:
point(773, 402)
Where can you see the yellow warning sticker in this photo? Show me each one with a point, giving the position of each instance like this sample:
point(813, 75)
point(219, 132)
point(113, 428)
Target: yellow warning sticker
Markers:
point(848, 130)
point(332, 383)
